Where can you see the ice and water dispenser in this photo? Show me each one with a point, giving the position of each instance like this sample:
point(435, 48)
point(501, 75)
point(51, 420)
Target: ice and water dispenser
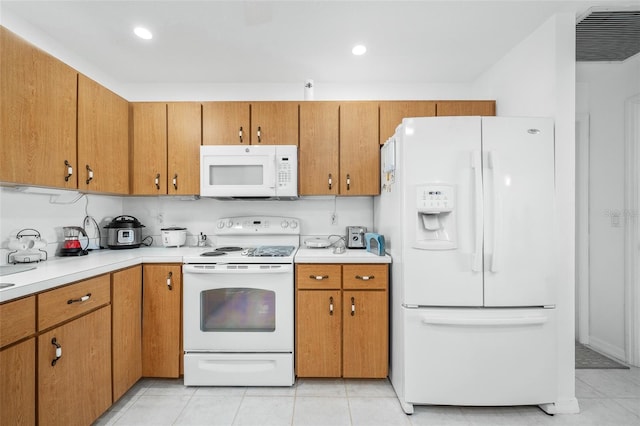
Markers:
point(436, 217)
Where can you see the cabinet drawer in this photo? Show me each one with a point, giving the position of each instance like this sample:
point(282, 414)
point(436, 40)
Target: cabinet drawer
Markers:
point(59, 305)
point(17, 320)
point(318, 276)
point(365, 276)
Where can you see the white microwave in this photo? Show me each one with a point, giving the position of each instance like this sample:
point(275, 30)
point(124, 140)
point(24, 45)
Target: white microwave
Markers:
point(254, 171)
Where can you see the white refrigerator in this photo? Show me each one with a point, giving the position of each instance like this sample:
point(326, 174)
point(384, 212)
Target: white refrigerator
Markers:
point(467, 211)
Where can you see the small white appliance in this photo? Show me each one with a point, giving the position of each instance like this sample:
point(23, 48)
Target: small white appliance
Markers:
point(467, 211)
point(238, 305)
point(254, 171)
point(174, 236)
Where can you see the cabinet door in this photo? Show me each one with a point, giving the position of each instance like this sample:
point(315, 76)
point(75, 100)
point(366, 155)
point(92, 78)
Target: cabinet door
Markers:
point(18, 384)
point(17, 320)
point(184, 137)
point(274, 123)
point(161, 320)
point(359, 149)
point(226, 123)
point(103, 139)
point(76, 390)
point(448, 108)
point(318, 333)
point(126, 325)
point(392, 113)
point(319, 148)
point(149, 162)
point(365, 334)
point(37, 115)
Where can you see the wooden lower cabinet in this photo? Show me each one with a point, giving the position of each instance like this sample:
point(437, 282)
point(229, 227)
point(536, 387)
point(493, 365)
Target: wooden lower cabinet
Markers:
point(18, 384)
point(161, 320)
point(342, 319)
point(364, 334)
point(126, 325)
point(76, 389)
point(318, 333)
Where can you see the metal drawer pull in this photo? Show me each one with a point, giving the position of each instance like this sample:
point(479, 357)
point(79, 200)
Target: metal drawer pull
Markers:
point(319, 277)
point(175, 181)
point(348, 182)
point(240, 134)
point(169, 283)
point(330, 305)
point(157, 181)
point(353, 306)
point(259, 134)
point(55, 343)
point(69, 170)
point(365, 277)
point(330, 181)
point(89, 174)
point(82, 299)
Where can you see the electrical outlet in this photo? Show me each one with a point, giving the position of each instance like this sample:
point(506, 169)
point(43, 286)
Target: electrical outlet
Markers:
point(334, 218)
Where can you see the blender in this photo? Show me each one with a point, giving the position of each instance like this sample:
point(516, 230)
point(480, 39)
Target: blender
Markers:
point(72, 245)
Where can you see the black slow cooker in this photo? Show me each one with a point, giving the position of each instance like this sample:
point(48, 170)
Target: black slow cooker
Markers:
point(124, 232)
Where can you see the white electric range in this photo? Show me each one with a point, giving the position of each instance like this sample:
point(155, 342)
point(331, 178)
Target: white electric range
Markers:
point(238, 305)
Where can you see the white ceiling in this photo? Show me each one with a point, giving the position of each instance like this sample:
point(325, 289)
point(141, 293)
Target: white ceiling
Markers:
point(290, 41)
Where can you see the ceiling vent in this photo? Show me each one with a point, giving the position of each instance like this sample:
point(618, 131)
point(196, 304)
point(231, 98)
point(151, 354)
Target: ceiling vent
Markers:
point(608, 35)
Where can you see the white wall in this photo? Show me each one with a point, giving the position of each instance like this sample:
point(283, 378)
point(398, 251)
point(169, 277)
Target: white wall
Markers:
point(19, 211)
point(538, 78)
point(603, 89)
point(200, 215)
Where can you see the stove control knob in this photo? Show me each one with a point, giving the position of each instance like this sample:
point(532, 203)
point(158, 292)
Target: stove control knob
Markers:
point(284, 224)
point(221, 224)
point(294, 224)
point(229, 224)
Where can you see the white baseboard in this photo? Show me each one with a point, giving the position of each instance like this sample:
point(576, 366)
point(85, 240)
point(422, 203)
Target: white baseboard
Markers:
point(607, 349)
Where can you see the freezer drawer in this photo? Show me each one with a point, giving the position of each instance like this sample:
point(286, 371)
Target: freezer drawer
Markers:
point(480, 356)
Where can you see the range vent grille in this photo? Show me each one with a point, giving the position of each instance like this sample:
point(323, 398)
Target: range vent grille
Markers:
point(608, 35)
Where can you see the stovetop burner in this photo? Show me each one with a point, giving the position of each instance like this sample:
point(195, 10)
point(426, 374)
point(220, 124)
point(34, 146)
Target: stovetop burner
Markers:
point(228, 249)
point(213, 253)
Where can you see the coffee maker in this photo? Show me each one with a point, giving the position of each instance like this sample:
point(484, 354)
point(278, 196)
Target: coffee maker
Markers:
point(72, 246)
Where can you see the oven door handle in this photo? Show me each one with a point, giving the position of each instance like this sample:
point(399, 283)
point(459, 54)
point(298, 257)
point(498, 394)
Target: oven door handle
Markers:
point(237, 269)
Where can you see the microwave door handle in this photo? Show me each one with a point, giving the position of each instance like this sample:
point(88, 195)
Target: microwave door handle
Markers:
point(270, 171)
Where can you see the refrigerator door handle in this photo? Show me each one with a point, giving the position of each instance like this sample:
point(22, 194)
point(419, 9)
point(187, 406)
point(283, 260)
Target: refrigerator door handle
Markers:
point(497, 210)
point(476, 164)
point(483, 322)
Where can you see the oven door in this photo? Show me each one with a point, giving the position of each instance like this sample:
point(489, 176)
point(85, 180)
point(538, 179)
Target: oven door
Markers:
point(237, 171)
point(238, 308)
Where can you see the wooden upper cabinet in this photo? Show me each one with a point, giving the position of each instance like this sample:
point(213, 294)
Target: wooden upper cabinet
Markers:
point(318, 156)
point(447, 108)
point(149, 148)
point(37, 115)
point(184, 137)
point(392, 113)
point(226, 123)
point(274, 123)
point(359, 149)
point(103, 139)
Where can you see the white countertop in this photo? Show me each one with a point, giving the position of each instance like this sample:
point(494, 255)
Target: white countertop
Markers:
point(59, 271)
point(326, 255)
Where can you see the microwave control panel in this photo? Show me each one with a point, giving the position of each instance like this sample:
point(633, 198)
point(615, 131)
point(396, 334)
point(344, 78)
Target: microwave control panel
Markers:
point(287, 170)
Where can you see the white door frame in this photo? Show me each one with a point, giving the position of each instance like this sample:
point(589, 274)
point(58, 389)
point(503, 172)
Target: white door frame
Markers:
point(632, 230)
point(582, 228)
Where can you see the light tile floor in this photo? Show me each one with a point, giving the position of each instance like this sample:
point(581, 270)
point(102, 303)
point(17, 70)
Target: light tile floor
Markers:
point(606, 397)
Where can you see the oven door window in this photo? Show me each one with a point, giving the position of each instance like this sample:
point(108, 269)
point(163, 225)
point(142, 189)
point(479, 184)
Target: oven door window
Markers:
point(237, 309)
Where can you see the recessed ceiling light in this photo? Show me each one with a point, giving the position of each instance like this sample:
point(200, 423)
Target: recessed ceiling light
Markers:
point(143, 33)
point(358, 50)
